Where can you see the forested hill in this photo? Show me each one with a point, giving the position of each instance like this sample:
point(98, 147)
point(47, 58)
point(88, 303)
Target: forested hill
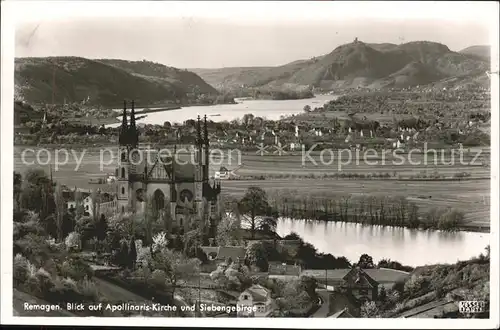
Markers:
point(357, 64)
point(105, 82)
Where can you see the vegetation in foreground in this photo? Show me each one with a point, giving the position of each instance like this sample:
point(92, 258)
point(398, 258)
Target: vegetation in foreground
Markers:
point(463, 281)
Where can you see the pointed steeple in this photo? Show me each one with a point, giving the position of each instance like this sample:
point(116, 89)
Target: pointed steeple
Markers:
point(205, 131)
point(206, 151)
point(133, 134)
point(173, 194)
point(198, 132)
point(124, 128)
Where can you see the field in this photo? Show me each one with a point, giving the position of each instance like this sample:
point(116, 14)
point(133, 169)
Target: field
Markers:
point(471, 194)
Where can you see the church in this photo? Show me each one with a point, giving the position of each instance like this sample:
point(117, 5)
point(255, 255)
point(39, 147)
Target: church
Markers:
point(167, 182)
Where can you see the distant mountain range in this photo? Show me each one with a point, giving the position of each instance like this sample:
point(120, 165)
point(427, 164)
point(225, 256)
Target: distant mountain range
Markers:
point(481, 51)
point(360, 64)
point(105, 82)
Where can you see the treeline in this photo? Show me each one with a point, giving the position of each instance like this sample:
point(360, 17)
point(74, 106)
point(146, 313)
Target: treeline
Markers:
point(272, 94)
point(371, 210)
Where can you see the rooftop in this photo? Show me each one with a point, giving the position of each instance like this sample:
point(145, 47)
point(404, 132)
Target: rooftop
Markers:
point(258, 293)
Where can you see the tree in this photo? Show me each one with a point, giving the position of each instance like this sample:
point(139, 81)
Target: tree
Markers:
point(228, 232)
point(365, 261)
point(292, 236)
point(79, 208)
point(73, 241)
point(256, 256)
point(451, 220)
point(132, 253)
point(309, 285)
point(176, 266)
point(122, 255)
point(268, 224)
point(307, 254)
point(18, 181)
point(247, 119)
point(68, 224)
point(96, 201)
point(37, 193)
point(253, 206)
point(307, 108)
point(369, 309)
point(102, 228)
point(192, 240)
point(382, 294)
point(60, 211)
point(149, 217)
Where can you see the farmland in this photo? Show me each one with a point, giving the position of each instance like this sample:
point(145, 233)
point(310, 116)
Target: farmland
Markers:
point(275, 173)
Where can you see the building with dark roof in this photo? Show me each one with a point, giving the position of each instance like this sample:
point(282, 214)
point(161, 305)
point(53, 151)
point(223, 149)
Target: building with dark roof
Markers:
point(257, 297)
point(359, 284)
point(175, 178)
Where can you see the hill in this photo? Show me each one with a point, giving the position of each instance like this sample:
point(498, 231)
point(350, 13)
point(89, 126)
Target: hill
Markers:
point(357, 64)
point(480, 51)
point(103, 82)
point(435, 290)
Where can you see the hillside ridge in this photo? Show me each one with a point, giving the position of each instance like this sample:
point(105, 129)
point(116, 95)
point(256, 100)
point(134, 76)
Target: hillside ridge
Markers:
point(62, 79)
point(357, 64)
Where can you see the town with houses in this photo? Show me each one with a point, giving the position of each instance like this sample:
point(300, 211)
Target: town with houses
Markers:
point(269, 232)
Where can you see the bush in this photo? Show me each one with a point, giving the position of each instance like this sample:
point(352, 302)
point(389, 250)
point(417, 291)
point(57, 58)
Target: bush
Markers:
point(45, 281)
point(158, 278)
point(89, 291)
point(20, 269)
point(416, 284)
point(451, 220)
point(75, 268)
point(73, 241)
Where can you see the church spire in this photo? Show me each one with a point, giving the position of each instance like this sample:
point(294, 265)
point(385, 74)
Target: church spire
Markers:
point(206, 151)
point(173, 194)
point(133, 134)
point(198, 132)
point(205, 132)
point(124, 128)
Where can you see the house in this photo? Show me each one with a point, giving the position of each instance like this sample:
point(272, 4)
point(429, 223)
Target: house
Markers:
point(224, 253)
point(106, 206)
point(358, 284)
point(257, 297)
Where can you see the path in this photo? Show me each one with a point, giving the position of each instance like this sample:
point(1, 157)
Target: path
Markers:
point(324, 309)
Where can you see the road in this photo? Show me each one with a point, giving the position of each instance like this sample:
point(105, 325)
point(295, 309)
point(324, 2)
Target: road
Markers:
point(322, 312)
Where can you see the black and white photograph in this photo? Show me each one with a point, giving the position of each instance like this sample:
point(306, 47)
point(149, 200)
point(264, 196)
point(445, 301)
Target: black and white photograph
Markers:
point(279, 164)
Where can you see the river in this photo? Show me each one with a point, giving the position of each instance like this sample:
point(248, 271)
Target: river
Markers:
point(410, 247)
point(270, 109)
point(407, 246)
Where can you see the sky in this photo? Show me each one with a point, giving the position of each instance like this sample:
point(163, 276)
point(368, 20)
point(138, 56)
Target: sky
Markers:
point(213, 35)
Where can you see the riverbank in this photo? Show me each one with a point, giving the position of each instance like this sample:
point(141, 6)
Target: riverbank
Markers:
point(411, 247)
point(471, 228)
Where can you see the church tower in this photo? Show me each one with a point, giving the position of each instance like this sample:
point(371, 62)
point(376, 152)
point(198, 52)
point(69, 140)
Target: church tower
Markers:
point(206, 152)
point(128, 160)
point(173, 191)
point(135, 160)
point(198, 173)
point(124, 163)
